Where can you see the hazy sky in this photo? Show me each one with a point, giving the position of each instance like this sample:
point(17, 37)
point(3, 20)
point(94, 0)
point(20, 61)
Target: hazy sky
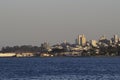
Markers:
point(35, 21)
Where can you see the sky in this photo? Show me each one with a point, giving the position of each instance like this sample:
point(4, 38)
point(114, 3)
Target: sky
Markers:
point(32, 22)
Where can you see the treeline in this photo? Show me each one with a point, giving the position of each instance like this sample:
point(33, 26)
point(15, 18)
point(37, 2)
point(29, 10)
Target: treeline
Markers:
point(19, 49)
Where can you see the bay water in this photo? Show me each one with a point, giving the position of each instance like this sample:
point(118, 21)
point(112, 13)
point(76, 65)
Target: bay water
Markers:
point(60, 68)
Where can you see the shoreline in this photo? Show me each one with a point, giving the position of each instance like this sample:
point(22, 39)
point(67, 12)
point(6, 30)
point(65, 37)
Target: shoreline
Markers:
point(67, 57)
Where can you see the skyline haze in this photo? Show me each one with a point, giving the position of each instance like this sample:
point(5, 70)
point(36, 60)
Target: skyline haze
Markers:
point(33, 22)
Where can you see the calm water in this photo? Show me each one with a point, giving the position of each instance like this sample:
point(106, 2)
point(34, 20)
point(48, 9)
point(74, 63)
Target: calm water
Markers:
point(94, 68)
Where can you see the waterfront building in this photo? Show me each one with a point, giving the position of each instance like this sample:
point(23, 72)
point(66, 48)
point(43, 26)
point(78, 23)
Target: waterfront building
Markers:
point(25, 54)
point(7, 54)
point(46, 55)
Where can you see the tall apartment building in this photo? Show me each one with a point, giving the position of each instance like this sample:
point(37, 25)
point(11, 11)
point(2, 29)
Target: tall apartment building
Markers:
point(116, 38)
point(81, 40)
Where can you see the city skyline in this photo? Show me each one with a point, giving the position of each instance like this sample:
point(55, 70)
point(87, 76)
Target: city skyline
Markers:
point(81, 47)
point(80, 39)
point(33, 22)
point(59, 39)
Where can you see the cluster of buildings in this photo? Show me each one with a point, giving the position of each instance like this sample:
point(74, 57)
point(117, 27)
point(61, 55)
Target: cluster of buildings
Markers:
point(27, 54)
point(81, 47)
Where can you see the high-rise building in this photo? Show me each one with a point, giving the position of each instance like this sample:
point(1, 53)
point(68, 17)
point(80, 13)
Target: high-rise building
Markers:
point(116, 38)
point(81, 40)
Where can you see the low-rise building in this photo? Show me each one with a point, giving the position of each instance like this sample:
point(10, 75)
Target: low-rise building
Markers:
point(46, 55)
point(25, 55)
point(7, 54)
